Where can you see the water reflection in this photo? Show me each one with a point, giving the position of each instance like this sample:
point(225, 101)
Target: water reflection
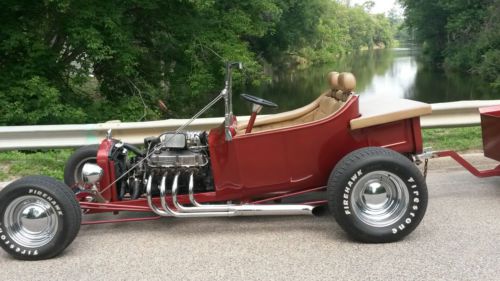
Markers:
point(395, 82)
point(396, 72)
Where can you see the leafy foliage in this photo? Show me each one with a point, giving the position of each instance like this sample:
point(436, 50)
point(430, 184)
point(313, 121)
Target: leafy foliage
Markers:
point(320, 31)
point(459, 34)
point(75, 61)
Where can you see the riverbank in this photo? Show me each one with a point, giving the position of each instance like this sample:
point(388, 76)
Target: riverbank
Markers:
point(15, 164)
point(394, 72)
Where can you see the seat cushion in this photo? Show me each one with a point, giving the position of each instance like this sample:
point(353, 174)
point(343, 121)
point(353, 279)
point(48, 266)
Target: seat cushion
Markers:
point(327, 105)
point(283, 116)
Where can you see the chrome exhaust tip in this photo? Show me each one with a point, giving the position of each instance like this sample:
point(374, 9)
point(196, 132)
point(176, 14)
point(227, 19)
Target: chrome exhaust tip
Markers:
point(320, 211)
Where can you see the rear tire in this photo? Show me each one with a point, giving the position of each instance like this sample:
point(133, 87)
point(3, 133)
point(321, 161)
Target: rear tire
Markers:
point(39, 218)
point(74, 165)
point(377, 195)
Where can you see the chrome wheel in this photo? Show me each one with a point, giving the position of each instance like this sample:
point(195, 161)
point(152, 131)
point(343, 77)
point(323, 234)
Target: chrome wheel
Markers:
point(30, 221)
point(379, 198)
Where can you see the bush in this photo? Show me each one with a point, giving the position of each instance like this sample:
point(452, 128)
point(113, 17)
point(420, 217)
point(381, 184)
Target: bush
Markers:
point(35, 101)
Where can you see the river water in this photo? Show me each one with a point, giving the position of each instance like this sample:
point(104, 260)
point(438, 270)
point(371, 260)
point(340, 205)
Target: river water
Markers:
point(395, 72)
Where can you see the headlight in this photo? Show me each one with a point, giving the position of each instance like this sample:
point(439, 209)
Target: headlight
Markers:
point(91, 173)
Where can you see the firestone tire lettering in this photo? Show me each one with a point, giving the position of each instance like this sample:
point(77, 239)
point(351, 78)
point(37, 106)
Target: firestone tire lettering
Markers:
point(61, 199)
point(347, 190)
point(51, 200)
point(13, 246)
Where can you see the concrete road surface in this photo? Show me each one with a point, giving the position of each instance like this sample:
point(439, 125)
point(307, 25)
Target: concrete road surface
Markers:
point(459, 239)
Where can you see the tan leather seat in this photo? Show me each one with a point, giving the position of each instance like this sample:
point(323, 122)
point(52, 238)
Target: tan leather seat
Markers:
point(325, 105)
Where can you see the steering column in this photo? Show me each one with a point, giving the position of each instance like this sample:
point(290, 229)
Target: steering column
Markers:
point(257, 104)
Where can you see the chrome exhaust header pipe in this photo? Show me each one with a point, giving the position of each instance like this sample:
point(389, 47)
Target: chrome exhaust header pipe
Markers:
point(217, 210)
point(240, 210)
point(191, 191)
point(152, 206)
point(198, 208)
point(179, 213)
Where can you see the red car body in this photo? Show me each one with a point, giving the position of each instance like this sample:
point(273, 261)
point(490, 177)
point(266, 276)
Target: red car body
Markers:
point(362, 155)
point(266, 164)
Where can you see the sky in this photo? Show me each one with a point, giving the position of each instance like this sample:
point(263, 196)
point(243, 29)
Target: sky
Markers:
point(381, 6)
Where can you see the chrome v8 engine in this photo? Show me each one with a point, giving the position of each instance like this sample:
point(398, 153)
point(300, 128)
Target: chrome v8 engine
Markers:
point(180, 150)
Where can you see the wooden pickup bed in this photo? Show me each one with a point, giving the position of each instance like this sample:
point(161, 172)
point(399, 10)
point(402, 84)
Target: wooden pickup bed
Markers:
point(376, 111)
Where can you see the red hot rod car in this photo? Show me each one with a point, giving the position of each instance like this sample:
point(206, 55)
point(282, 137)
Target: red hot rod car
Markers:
point(359, 158)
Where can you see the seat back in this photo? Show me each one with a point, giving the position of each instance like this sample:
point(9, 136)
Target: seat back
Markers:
point(327, 105)
point(341, 85)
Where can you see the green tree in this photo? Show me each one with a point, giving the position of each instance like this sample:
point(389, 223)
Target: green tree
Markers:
point(163, 48)
point(321, 30)
point(75, 61)
point(459, 34)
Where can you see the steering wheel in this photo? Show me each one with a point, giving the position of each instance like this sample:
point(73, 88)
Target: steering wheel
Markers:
point(259, 101)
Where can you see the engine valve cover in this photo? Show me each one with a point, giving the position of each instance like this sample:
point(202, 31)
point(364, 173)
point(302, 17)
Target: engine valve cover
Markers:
point(183, 158)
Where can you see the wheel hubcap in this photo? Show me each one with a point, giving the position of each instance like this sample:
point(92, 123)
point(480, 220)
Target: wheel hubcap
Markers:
point(380, 198)
point(31, 221)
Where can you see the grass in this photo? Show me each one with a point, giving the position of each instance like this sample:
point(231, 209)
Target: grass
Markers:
point(14, 164)
point(458, 139)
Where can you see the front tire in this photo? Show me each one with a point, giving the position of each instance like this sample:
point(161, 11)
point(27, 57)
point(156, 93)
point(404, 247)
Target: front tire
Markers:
point(39, 218)
point(74, 165)
point(377, 195)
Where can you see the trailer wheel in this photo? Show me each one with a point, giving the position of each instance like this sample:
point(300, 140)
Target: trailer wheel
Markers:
point(39, 218)
point(377, 195)
point(74, 165)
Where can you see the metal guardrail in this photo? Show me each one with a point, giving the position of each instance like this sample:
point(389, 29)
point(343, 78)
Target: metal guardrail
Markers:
point(455, 114)
point(452, 114)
